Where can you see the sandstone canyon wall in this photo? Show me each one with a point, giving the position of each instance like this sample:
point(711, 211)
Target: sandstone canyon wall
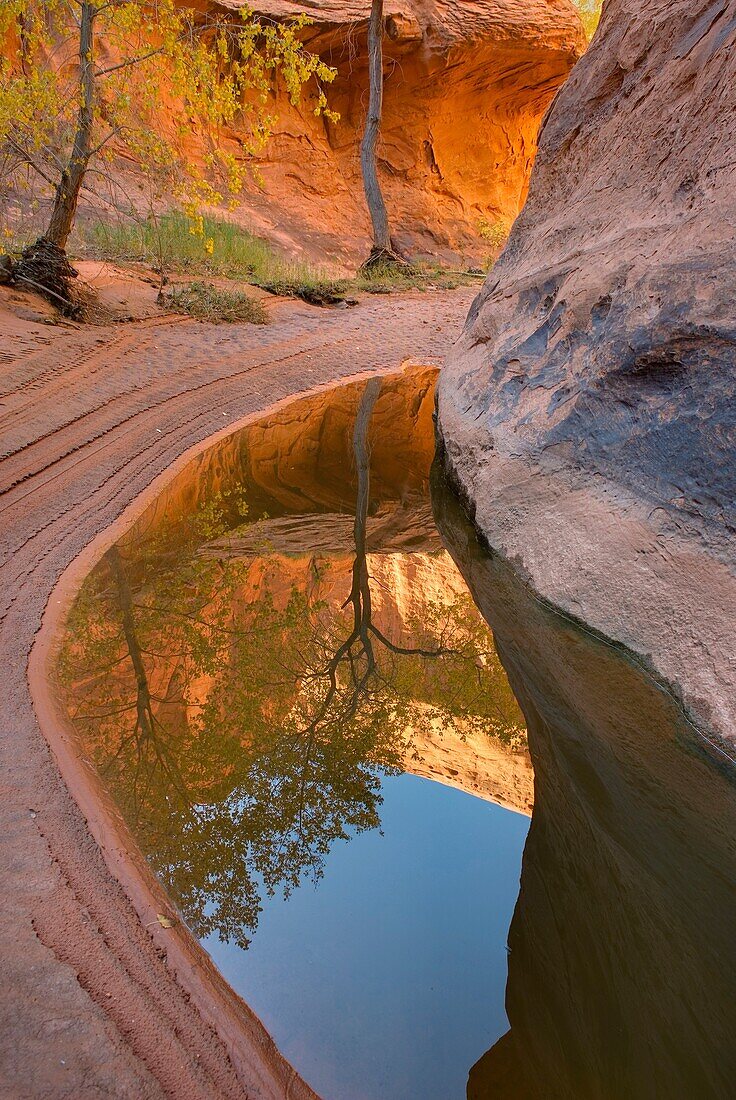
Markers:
point(587, 413)
point(466, 85)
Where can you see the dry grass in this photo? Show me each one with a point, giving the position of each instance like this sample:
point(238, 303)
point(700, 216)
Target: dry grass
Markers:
point(167, 244)
point(207, 302)
point(222, 249)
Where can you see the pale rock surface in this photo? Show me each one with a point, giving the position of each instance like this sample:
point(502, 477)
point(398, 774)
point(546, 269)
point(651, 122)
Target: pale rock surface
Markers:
point(587, 411)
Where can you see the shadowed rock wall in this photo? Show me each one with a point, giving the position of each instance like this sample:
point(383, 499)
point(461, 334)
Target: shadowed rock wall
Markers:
point(622, 965)
point(588, 409)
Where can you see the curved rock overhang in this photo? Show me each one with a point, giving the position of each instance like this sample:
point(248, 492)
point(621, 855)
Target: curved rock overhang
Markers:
point(465, 89)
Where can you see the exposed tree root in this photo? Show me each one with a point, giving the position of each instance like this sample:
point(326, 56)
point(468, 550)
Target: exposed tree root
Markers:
point(383, 258)
point(323, 294)
point(46, 267)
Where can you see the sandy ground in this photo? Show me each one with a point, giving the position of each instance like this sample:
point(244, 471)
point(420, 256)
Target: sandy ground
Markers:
point(93, 1003)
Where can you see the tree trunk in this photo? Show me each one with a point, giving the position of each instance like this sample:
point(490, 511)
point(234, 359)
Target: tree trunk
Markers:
point(44, 264)
point(374, 197)
point(144, 710)
point(67, 193)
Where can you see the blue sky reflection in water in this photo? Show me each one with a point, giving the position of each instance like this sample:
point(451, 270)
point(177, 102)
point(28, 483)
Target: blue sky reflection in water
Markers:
point(386, 981)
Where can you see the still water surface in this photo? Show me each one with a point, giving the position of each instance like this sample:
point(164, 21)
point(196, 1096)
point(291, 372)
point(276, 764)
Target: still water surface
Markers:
point(387, 979)
point(285, 683)
point(284, 680)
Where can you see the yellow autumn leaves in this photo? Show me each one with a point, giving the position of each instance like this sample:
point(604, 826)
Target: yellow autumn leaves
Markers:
point(182, 93)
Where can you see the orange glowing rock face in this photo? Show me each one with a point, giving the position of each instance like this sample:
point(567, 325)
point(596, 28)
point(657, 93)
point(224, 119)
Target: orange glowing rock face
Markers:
point(465, 89)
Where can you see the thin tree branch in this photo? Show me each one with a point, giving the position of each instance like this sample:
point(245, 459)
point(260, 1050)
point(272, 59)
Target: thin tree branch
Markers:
point(128, 62)
point(26, 156)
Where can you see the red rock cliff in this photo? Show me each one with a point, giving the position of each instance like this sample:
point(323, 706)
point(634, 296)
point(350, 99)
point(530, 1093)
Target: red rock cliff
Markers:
point(466, 85)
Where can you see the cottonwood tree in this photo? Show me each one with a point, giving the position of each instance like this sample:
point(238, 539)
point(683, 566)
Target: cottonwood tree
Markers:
point(85, 81)
point(383, 250)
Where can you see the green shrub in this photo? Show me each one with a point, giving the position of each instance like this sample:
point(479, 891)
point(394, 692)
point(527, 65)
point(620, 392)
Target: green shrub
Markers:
point(210, 303)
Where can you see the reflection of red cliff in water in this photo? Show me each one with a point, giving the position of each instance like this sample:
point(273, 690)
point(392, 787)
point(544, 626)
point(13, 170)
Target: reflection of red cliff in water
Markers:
point(410, 589)
point(299, 459)
point(223, 625)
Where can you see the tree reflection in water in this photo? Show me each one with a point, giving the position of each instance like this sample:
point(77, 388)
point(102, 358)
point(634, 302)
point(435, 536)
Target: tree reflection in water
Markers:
point(243, 713)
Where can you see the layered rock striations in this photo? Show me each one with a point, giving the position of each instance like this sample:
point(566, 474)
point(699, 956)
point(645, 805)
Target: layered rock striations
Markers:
point(465, 87)
point(587, 413)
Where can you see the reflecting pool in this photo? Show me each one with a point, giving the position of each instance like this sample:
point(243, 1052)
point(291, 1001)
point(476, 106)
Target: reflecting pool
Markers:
point(285, 684)
point(286, 676)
